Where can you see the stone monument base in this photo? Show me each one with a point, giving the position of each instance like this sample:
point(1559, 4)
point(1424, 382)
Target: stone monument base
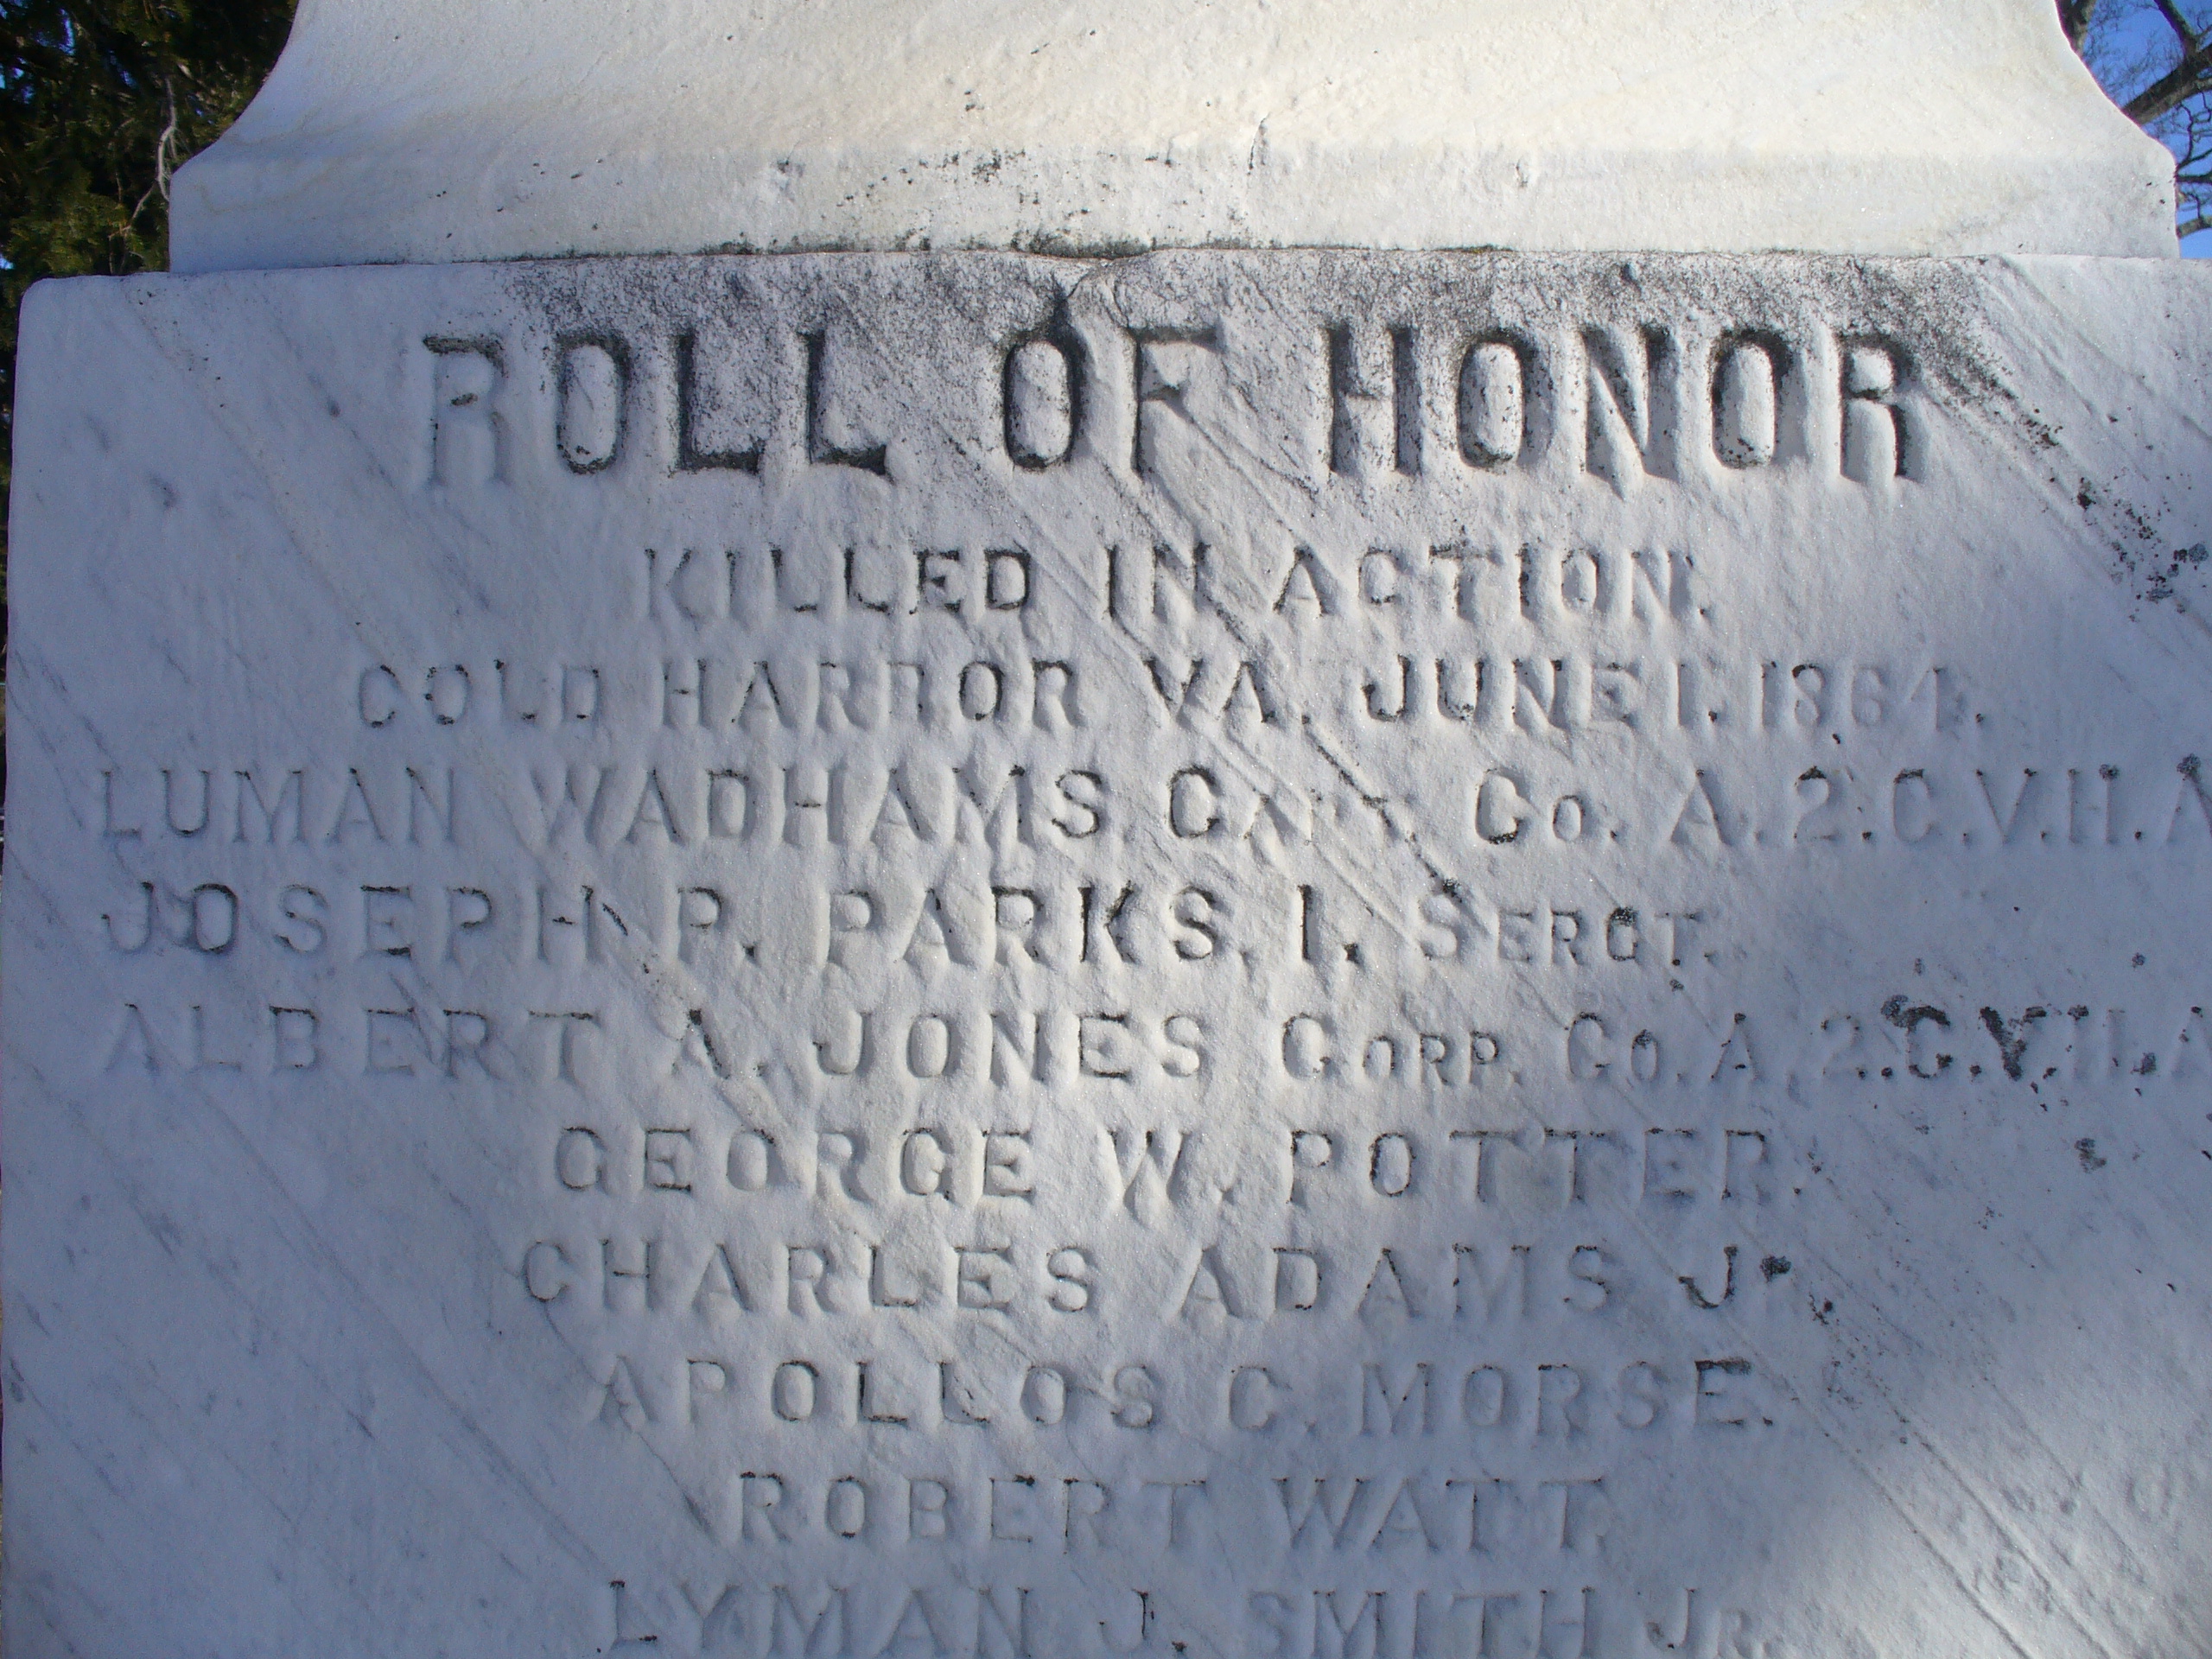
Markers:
point(1231, 953)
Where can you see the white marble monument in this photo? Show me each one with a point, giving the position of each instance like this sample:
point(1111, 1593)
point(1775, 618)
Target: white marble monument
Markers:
point(1105, 909)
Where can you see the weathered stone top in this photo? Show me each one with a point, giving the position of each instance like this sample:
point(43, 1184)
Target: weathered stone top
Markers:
point(420, 131)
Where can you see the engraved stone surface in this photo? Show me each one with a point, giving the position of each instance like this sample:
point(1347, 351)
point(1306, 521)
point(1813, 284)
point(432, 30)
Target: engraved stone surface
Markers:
point(422, 131)
point(1329, 956)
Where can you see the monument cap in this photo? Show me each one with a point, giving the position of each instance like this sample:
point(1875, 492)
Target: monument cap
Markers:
point(405, 130)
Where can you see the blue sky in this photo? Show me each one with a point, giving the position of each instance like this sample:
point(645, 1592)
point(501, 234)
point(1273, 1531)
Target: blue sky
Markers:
point(2130, 44)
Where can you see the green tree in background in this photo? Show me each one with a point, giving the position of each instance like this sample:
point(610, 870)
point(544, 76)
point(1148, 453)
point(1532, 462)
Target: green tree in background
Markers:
point(101, 100)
